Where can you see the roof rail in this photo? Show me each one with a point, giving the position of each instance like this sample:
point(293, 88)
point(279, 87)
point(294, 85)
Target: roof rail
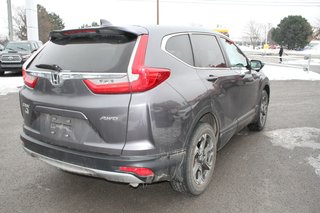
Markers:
point(104, 22)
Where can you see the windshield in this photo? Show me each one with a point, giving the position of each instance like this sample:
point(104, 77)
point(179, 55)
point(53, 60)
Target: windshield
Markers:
point(87, 54)
point(18, 46)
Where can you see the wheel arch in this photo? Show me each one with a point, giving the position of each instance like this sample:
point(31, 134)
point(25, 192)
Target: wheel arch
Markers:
point(267, 89)
point(205, 116)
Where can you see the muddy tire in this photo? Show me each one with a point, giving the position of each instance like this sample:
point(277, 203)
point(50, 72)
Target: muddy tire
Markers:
point(259, 124)
point(198, 166)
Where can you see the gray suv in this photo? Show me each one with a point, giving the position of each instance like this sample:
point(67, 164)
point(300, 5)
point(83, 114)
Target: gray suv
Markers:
point(139, 104)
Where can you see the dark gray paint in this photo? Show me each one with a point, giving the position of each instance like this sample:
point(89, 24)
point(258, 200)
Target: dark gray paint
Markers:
point(157, 122)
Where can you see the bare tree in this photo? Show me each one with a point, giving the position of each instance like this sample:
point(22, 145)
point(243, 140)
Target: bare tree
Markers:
point(254, 32)
point(46, 23)
point(20, 23)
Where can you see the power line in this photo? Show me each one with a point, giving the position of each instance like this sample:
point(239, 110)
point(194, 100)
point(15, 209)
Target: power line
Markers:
point(280, 3)
point(250, 3)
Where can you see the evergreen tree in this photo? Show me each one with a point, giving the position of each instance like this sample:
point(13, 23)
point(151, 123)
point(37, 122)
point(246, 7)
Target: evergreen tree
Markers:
point(294, 32)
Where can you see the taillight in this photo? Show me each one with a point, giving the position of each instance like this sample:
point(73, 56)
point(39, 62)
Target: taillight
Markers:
point(140, 79)
point(29, 80)
point(140, 171)
point(99, 86)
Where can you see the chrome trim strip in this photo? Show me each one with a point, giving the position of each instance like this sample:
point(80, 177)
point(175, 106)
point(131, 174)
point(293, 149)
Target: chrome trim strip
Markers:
point(111, 176)
point(67, 75)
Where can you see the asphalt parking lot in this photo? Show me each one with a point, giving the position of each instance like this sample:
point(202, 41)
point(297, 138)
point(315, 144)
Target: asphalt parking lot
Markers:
point(276, 170)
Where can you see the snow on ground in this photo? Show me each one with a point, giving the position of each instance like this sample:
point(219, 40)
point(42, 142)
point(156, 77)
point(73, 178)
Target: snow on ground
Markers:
point(291, 138)
point(300, 137)
point(303, 62)
point(315, 51)
point(315, 163)
point(276, 72)
point(10, 84)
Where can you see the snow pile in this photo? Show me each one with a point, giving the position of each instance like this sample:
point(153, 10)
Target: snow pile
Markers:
point(313, 51)
point(288, 73)
point(303, 62)
point(10, 84)
point(315, 163)
point(291, 138)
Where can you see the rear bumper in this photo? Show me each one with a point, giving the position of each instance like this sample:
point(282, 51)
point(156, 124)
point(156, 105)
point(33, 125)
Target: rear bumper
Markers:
point(104, 166)
point(111, 176)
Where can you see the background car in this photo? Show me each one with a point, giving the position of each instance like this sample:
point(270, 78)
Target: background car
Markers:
point(15, 54)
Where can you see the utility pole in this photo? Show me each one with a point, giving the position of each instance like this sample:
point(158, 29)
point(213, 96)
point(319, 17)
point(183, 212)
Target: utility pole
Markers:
point(10, 27)
point(157, 12)
point(268, 27)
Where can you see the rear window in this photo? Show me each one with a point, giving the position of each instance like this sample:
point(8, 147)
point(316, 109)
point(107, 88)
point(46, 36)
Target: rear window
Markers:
point(92, 53)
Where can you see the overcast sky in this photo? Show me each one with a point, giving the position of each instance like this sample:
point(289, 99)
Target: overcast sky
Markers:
point(232, 14)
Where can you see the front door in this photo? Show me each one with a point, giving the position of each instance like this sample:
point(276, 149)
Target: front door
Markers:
point(249, 85)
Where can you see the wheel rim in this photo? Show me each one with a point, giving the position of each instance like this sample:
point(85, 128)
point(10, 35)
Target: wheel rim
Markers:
point(204, 157)
point(264, 109)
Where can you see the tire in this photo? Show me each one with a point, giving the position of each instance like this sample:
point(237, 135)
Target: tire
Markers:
point(1, 73)
point(198, 166)
point(259, 124)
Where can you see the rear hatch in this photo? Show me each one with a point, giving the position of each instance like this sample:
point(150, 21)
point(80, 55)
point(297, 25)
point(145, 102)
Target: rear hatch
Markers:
point(77, 92)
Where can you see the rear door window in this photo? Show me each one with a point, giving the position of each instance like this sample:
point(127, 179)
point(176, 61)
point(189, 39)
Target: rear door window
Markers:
point(180, 47)
point(207, 52)
point(92, 53)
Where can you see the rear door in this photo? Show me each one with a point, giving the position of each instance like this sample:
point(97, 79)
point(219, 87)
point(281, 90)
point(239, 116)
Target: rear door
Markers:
point(80, 98)
point(222, 82)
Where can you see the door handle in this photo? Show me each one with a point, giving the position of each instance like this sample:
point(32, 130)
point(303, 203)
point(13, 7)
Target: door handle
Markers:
point(212, 78)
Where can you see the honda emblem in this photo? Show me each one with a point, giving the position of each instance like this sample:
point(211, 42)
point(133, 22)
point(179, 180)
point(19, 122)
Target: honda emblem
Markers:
point(55, 79)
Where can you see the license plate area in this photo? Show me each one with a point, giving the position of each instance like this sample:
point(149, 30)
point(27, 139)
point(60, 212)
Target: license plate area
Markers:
point(58, 127)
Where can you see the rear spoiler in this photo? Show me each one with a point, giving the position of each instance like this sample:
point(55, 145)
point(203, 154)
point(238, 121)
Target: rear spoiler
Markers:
point(108, 30)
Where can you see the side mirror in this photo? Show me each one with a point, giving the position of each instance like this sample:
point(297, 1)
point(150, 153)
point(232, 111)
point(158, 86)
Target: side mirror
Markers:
point(256, 65)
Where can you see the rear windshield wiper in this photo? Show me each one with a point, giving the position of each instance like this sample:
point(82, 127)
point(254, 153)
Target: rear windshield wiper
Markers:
point(49, 67)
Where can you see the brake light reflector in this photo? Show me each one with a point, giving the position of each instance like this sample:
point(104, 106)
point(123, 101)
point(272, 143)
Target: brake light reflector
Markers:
point(140, 79)
point(29, 80)
point(140, 171)
point(71, 32)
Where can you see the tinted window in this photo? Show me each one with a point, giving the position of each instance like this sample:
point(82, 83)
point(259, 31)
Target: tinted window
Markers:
point(180, 47)
point(207, 52)
point(236, 58)
point(88, 54)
